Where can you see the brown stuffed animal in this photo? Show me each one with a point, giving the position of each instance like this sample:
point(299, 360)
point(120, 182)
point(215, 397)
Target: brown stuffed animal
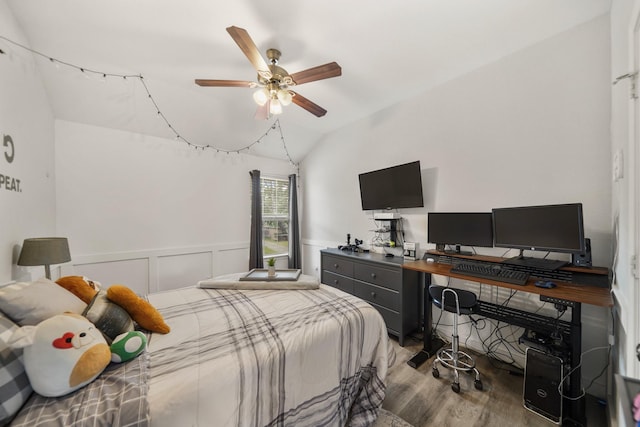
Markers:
point(80, 286)
point(141, 311)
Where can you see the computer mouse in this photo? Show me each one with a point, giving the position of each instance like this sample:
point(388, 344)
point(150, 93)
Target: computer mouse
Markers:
point(430, 260)
point(545, 284)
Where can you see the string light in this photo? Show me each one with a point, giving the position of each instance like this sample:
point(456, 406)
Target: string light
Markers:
point(87, 72)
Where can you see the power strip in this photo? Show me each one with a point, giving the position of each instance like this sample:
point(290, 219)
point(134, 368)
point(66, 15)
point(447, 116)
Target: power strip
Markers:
point(560, 301)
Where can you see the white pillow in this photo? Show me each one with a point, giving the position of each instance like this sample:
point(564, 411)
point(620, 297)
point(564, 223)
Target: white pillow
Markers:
point(30, 303)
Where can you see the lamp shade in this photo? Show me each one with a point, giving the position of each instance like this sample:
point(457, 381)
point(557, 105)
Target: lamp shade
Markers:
point(44, 251)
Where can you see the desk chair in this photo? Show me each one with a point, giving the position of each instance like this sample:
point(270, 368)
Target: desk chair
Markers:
point(458, 301)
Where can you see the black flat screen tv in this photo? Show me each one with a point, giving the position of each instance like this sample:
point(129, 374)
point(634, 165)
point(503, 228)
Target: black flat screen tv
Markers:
point(551, 228)
point(392, 188)
point(460, 229)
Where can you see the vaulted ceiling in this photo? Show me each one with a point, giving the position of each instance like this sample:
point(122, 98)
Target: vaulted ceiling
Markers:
point(388, 51)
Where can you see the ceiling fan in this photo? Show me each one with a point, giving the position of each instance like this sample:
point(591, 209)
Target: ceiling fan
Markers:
point(274, 82)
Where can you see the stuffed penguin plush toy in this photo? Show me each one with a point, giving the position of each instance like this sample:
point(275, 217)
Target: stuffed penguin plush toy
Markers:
point(62, 354)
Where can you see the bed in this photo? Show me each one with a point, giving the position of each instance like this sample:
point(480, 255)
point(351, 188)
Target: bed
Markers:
point(240, 357)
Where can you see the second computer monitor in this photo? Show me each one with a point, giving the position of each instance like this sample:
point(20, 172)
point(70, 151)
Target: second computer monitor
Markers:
point(460, 229)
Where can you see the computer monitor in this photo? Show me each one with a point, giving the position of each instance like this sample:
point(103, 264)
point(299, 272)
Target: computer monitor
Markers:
point(460, 229)
point(551, 228)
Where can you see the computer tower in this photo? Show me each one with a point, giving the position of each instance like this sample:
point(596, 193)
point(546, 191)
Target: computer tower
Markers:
point(542, 392)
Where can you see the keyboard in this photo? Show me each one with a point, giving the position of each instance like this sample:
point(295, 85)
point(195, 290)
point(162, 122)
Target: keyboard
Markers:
point(493, 272)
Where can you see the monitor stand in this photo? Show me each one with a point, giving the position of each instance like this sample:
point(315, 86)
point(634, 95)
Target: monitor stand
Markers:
point(457, 251)
point(539, 263)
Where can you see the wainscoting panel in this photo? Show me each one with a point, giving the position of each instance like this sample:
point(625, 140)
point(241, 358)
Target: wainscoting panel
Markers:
point(179, 271)
point(232, 260)
point(133, 273)
point(156, 270)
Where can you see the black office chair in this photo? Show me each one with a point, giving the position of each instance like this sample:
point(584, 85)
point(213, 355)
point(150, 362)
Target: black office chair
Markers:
point(458, 301)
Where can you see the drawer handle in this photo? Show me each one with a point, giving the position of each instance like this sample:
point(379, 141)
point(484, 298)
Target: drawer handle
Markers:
point(335, 265)
point(373, 294)
point(373, 275)
point(335, 281)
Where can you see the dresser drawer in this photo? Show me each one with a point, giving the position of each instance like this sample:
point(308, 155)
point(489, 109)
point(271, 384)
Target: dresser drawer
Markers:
point(379, 276)
point(337, 265)
point(337, 281)
point(377, 295)
point(391, 319)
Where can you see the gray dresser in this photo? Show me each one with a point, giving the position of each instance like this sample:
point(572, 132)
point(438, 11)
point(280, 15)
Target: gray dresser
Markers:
point(381, 281)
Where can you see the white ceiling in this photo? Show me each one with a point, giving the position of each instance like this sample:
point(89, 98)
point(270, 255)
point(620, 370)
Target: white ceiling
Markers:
point(389, 51)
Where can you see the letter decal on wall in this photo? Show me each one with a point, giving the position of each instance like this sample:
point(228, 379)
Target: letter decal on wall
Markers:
point(7, 182)
point(9, 142)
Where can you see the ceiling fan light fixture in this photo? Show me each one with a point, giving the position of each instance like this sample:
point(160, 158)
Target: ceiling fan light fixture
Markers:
point(285, 97)
point(261, 96)
point(275, 107)
point(273, 81)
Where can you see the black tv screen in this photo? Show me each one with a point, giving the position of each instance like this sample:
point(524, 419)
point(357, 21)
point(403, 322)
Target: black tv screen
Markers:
point(392, 188)
point(552, 228)
point(460, 228)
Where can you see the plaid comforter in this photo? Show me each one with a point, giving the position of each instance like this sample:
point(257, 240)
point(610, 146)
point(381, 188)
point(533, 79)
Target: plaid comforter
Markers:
point(240, 358)
point(117, 398)
point(267, 358)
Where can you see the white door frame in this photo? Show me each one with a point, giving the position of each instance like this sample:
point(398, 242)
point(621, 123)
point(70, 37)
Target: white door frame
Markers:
point(632, 366)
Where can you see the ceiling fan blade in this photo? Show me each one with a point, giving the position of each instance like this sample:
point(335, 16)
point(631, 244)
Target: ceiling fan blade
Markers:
point(248, 47)
point(311, 107)
point(320, 72)
point(224, 83)
point(262, 112)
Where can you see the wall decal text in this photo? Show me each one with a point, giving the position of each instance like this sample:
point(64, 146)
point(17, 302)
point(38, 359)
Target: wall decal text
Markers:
point(7, 182)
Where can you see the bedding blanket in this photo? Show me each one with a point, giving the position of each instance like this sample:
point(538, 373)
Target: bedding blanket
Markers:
point(117, 398)
point(267, 358)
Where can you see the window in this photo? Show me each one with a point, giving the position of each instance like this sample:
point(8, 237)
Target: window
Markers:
point(275, 216)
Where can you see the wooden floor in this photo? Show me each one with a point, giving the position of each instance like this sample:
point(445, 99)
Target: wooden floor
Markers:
point(422, 400)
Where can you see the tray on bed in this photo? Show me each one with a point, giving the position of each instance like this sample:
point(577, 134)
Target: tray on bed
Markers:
point(262, 275)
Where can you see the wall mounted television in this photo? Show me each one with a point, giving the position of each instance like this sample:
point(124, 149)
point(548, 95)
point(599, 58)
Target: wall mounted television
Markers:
point(551, 228)
point(392, 188)
point(460, 229)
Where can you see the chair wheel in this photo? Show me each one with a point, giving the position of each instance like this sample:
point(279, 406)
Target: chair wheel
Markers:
point(455, 387)
point(478, 384)
point(435, 373)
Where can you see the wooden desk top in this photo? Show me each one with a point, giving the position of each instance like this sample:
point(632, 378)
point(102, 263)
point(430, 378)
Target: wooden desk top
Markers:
point(585, 294)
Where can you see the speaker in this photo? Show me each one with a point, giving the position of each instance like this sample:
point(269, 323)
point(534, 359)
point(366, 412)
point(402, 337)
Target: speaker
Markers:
point(583, 259)
point(542, 385)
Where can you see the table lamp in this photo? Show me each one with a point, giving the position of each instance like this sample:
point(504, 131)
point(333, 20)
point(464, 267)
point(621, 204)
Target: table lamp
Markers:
point(44, 251)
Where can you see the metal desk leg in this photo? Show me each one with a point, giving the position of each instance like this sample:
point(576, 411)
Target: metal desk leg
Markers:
point(430, 346)
point(576, 408)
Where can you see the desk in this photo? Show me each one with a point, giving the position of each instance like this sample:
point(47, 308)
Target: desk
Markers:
point(574, 294)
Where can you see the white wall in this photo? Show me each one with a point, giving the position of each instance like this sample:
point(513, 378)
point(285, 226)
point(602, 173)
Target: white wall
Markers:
point(27, 207)
point(149, 212)
point(531, 128)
